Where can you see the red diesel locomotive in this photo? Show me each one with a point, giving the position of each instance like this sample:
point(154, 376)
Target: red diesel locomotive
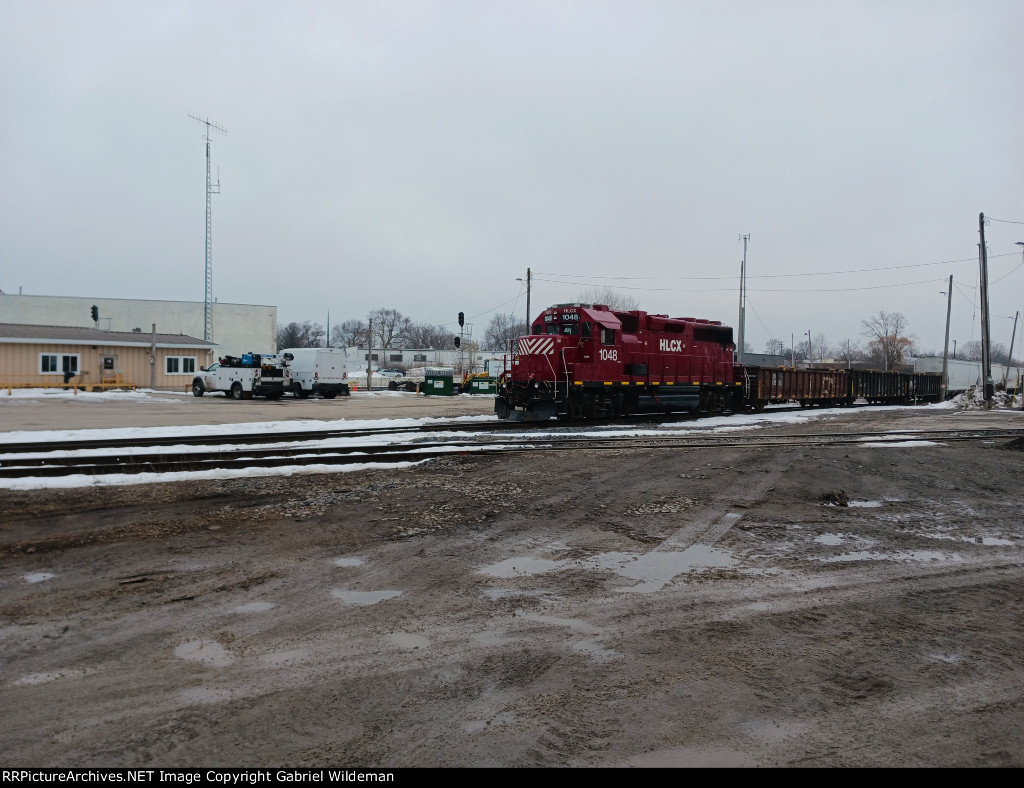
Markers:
point(590, 361)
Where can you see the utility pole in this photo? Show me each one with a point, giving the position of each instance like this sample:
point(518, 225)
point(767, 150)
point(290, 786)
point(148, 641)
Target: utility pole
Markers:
point(152, 359)
point(743, 300)
point(1009, 361)
point(945, 350)
point(986, 357)
point(810, 350)
point(369, 355)
point(211, 189)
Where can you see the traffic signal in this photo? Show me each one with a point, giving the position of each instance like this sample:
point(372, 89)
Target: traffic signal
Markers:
point(462, 318)
point(95, 314)
point(457, 341)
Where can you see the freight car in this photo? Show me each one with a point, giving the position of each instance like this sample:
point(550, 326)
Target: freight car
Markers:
point(590, 361)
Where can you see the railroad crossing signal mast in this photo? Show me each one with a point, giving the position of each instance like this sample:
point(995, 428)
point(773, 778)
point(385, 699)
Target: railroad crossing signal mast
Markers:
point(458, 341)
point(211, 189)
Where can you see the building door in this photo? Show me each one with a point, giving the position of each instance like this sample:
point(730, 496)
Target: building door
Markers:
point(109, 367)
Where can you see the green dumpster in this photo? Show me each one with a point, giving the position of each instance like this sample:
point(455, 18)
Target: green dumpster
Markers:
point(482, 386)
point(437, 381)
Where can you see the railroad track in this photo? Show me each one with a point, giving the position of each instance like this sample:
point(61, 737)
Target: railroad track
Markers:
point(382, 446)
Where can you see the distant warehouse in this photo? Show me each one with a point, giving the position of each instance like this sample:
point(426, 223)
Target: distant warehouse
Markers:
point(237, 328)
point(88, 358)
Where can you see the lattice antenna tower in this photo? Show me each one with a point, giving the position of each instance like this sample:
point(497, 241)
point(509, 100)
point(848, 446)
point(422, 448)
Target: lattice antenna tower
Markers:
point(211, 189)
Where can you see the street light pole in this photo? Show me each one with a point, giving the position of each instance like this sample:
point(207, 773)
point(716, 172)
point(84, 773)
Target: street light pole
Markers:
point(810, 350)
point(945, 350)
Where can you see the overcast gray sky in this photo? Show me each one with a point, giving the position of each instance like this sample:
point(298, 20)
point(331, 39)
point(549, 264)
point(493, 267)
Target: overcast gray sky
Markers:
point(423, 155)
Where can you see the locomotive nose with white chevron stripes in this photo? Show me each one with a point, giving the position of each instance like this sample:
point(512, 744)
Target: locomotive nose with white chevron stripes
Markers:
point(536, 346)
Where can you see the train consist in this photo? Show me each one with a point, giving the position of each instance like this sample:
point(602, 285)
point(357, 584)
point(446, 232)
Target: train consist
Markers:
point(587, 361)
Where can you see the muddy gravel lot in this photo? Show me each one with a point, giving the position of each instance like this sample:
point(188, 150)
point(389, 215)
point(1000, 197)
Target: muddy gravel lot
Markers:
point(734, 606)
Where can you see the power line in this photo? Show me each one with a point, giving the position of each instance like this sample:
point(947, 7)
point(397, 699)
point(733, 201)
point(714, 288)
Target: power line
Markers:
point(775, 276)
point(760, 289)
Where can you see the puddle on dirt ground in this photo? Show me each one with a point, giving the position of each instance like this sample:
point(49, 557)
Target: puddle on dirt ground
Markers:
point(518, 567)
point(38, 577)
point(363, 597)
point(348, 561)
point(988, 541)
point(209, 652)
point(653, 569)
point(254, 607)
point(408, 641)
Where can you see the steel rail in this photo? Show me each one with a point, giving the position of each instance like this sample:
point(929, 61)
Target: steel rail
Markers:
point(303, 454)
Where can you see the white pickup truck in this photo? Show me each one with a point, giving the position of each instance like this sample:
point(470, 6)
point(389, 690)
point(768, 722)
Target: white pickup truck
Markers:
point(242, 378)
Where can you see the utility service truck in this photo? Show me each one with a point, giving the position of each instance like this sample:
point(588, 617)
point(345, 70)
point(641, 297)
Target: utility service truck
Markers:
point(253, 374)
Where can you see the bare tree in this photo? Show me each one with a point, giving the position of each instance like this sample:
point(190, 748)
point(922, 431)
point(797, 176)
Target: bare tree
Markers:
point(351, 333)
point(304, 334)
point(775, 347)
point(888, 338)
point(820, 348)
point(971, 351)
point(502, 330)
point(428, 337)
point(847, 352)
point(611, 298)
point(389, 327)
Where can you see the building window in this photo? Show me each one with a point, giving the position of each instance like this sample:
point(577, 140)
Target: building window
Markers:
point(395, 357)
point(180, 365)
point(419, 357)
point(366, 357)
point(58, 363)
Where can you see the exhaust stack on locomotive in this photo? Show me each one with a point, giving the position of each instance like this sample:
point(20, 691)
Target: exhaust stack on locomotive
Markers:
point(590, 361)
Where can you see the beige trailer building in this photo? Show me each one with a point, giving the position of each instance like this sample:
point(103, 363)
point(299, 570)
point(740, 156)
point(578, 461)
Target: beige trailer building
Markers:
point(89, 358)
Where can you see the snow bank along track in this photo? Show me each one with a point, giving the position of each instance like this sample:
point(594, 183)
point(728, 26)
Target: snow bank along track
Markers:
point(398, 445)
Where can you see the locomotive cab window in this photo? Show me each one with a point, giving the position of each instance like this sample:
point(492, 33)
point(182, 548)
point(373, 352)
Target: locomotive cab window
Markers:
point(538, 329)
point(585, 330)
point(551, 329)
point(570, 330)
point(607, 336)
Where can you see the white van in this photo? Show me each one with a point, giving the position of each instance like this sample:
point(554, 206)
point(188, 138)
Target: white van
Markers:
point(317, 371)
